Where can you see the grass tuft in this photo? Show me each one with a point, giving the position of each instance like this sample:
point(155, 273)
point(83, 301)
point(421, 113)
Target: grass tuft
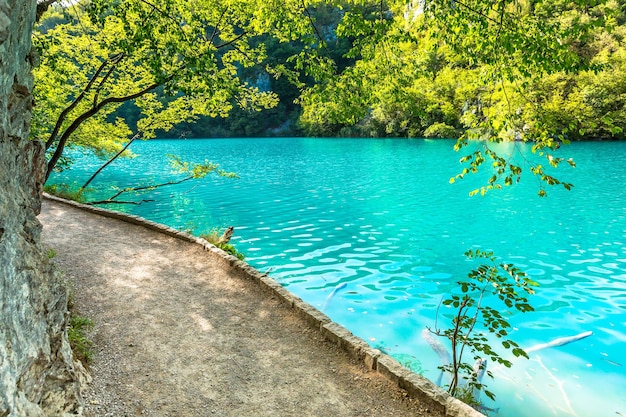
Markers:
point(213, 236)
point(64, 191)
point(77, 335)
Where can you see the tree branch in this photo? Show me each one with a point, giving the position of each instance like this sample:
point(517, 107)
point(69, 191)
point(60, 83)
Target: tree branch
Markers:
point(136, 203)
point(111, 200)
point(95, 174)
point(92, 111)
point(308, 15)
point(76, 101)
point(106, 76)
point(230, 42)
point(165, 14)
point(471, 9)
point(217, 25)
point(244, 53)
point(42, 7)
point(456, 361)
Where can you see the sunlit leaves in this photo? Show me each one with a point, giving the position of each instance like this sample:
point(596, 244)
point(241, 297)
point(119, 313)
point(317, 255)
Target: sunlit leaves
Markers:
point(173, 60)
point(541, 72)
point(477, 321)
point(197, 170)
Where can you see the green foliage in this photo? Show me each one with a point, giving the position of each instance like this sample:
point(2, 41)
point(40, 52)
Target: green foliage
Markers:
point(190, 171)
point(540, 71)
point(173, 61)
point(65, 191)
point(231, 250)
point(77, 333)
point(441, 130)
point(213, 237)
point(475, 321)
point(51, 253)
point(468, 396)
point(78, 329)
point(195, 171)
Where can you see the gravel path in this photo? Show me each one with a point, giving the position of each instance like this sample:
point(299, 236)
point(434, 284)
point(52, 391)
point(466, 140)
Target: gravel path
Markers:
point(179, 334)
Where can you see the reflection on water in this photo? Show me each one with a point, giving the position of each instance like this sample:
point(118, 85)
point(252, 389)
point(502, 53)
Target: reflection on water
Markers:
point(372, 232)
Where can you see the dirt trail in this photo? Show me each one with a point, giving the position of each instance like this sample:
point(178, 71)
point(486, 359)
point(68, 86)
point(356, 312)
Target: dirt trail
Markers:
point(179, 334)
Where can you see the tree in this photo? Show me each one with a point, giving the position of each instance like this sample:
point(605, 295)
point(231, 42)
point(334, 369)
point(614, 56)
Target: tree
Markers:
point(481, 70)
point(189, 172)
point(526, 69)
point(174, 61)
point(518, 43)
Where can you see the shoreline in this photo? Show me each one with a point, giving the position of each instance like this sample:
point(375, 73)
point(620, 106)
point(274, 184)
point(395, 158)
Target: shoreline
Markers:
point(374, 361)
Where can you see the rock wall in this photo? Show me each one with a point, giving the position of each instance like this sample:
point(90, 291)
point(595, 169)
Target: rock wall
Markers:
point(37, 374)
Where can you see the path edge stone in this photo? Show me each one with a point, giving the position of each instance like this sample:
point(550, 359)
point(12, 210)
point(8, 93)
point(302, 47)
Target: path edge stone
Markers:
point(414, 384)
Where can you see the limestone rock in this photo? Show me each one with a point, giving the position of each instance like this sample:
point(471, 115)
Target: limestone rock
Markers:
point(37, 374)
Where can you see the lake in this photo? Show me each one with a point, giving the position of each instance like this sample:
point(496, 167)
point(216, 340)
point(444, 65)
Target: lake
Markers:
point(379, 220)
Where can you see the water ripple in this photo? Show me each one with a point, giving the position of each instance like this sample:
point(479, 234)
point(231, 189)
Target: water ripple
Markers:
point(379, 219)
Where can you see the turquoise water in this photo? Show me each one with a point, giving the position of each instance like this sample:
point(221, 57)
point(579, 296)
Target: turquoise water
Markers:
point(381, 217)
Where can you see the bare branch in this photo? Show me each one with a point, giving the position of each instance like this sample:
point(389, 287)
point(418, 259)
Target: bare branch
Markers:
point(135, 203)
point(230, 42)
point(112, 199)
point(95, 174)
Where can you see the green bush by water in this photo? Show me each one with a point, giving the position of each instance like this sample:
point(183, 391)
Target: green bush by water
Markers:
point(213, 237)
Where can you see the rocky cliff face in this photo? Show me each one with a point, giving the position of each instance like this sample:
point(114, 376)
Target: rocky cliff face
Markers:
point(37, 374)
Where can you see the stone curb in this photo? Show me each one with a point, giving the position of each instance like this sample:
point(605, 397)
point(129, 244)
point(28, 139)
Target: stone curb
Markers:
point(416, 386)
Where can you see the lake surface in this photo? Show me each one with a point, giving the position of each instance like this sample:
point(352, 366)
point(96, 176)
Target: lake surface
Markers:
point(381, 217)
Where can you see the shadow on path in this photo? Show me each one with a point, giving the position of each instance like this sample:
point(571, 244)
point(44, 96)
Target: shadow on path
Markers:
point(179, 334)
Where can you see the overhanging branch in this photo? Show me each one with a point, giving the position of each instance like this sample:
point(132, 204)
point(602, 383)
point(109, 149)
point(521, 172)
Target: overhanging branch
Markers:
point(92, 111)
point(42, 7)
point(112, 199)
point(95, 174)
point(57, 127)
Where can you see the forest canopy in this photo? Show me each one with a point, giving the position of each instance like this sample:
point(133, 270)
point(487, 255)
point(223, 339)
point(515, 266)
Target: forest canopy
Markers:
point(111, 72)
point(544, 71)
point(523, 70)
point(395, 69)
